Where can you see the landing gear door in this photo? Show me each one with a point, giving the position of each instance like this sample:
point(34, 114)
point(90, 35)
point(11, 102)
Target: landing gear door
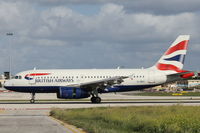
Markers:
point(151, 77)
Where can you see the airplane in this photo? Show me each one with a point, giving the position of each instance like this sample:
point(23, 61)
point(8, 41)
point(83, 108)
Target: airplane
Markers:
point(84, 83)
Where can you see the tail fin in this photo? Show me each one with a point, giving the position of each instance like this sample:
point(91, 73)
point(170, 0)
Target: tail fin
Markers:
point(174, 57)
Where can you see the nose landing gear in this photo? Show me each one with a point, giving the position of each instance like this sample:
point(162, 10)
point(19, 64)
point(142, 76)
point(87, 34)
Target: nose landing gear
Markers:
point(32, 100)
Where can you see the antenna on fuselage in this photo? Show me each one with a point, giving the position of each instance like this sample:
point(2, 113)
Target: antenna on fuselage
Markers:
point(120, 67)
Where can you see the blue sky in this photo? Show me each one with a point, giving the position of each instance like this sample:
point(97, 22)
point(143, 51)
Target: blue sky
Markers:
point(95, 34)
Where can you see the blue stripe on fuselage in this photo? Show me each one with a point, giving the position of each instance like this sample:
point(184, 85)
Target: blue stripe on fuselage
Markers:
point(36, 89)
point(54, 89)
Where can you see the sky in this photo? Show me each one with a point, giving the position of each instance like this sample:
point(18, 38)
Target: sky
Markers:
point(80, 34)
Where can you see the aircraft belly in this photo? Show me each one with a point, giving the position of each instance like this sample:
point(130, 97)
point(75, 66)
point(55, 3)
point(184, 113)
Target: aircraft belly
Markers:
point(36, 89)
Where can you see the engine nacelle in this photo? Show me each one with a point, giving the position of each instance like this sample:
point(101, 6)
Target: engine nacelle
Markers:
point(72, 93)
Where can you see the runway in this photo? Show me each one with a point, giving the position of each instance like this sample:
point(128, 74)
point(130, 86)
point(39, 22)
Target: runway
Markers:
point(19, 116)
point(86, 104)
point(20, 101)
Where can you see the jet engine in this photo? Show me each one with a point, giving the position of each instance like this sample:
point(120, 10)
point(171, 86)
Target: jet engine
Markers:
point(72, 93)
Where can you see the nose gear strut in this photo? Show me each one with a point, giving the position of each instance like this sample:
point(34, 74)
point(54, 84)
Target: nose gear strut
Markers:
point(32, 97)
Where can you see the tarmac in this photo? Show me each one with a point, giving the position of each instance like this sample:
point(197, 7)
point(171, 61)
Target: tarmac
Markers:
point(18, 115)
point(44, 101)
point(23, 121)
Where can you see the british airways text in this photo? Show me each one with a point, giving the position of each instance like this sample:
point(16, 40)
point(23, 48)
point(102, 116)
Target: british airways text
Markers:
point(53, 80)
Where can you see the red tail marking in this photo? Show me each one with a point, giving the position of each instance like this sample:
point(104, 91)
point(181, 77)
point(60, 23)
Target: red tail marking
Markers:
point(180, 46)
point(174, 68)
point(168, 67)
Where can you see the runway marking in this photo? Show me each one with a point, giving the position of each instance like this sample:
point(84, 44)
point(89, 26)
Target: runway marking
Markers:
point(72, 128)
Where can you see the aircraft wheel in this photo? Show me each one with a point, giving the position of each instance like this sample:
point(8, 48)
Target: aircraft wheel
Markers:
point(32, 101)
point(96, 100)
point(92, 99)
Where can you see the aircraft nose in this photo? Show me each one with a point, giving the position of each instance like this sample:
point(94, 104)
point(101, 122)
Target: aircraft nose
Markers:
point(7, 83)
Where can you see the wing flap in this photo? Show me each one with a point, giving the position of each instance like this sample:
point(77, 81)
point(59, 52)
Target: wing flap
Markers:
point(100, 84)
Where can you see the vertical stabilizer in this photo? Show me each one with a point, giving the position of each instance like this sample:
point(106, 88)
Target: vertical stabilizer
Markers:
point(174, 57)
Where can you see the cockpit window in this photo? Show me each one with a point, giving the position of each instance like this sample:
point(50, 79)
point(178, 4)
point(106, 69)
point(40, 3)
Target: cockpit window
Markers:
point(18, 77)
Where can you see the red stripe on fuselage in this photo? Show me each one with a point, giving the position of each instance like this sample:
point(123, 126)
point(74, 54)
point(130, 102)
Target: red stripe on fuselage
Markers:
point(37, 74)
point(180, 46)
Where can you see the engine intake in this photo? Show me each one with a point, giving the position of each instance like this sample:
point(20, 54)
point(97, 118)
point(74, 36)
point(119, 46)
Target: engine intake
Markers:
point(72, 93)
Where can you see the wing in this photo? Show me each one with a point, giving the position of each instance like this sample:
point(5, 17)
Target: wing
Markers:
point(100, 84)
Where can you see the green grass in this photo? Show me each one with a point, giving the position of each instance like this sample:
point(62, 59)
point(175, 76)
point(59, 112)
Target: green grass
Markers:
point(146, 119)
point(166, 94)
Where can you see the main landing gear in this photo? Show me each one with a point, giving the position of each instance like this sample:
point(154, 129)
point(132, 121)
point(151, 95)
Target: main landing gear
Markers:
point(95, 98)
point(32, 98)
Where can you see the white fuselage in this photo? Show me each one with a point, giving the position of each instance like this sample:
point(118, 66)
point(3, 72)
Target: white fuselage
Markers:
point(69, 77)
